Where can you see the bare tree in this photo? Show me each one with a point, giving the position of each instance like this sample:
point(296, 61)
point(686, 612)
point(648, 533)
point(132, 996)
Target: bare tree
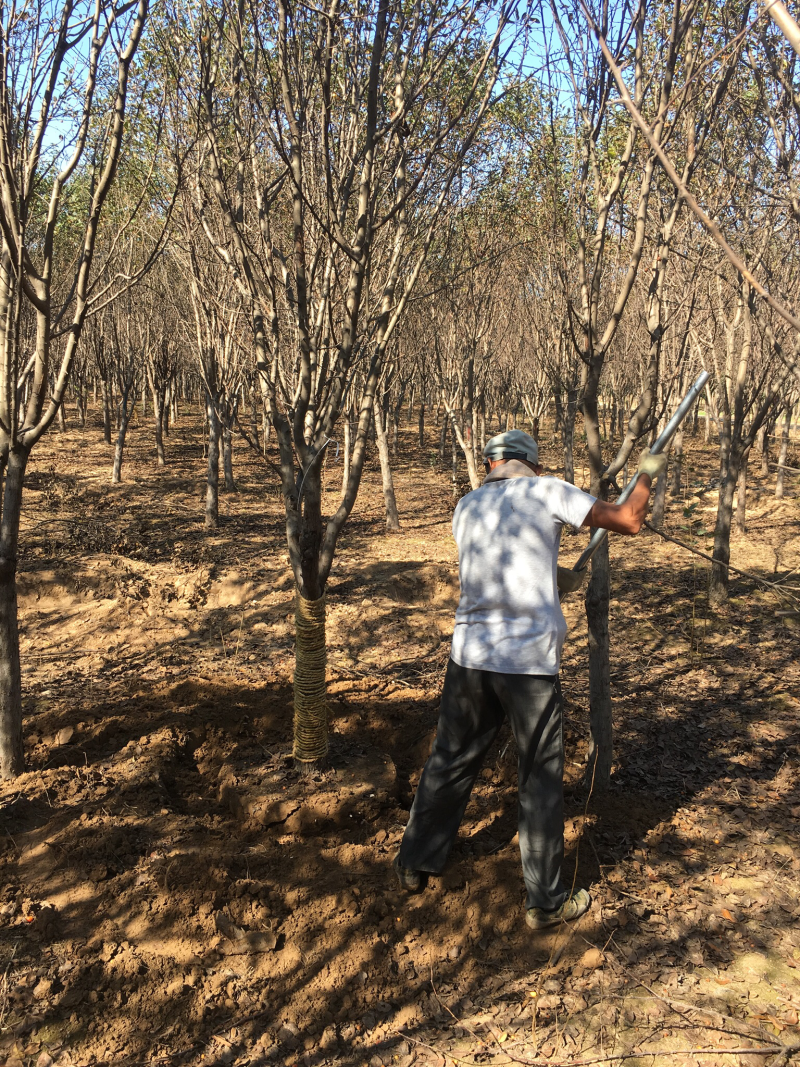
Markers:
point(320, 181)
point(41, 108)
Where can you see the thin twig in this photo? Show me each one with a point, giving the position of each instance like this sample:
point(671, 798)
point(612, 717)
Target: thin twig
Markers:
point(721, 563)
point(617, 1056)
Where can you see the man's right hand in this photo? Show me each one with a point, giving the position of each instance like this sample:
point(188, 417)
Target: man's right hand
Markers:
point(652, 465)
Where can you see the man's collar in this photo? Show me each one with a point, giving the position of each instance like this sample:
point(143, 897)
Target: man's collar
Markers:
point(512, 468)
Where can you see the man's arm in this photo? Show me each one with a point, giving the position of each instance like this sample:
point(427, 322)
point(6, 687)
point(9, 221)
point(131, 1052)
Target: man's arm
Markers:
point(627, 518)
point(624, 518)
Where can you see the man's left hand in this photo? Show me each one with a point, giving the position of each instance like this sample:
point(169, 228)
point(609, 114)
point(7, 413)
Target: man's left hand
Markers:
point(569, 581)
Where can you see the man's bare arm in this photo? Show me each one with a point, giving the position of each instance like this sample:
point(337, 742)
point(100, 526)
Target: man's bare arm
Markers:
point(624, 518)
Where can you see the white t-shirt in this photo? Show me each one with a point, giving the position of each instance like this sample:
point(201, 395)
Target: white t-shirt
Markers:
point(508, 532)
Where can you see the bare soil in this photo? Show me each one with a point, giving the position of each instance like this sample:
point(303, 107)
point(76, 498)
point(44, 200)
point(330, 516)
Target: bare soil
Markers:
point(171, 892)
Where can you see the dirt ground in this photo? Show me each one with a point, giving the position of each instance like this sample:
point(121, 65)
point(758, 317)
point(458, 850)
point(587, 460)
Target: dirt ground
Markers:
point(172, 893)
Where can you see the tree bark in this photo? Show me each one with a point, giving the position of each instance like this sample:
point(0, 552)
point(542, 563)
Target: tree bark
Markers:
point(212, 474)
point(12, 759)
point(783, 453)
point(392, 516)
point(718, 590)
point(346, 447)
point(124, 417)
point(568, 424)
point(421, 424)
point(559, 416)
point(741, 499)
point(601, 745)
point(443, 438)
point(227, 457)
point(763, 447)
point(677, 463)
point(158, 412)
point(106, 411)
point(659, 501)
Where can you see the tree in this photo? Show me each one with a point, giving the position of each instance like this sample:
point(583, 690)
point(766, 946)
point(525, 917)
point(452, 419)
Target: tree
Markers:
point(47, 252)
point(320, 181)
point(665, 52)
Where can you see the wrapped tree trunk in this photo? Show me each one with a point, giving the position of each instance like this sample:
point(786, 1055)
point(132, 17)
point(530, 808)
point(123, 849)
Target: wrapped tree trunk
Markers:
point(310, 702)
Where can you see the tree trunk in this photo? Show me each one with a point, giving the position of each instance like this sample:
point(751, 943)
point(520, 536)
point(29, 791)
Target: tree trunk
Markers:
point(12, 759)
point(763, 447)
point(601, 745)
point(454, 464)
point(227, 457)
point(310, 704)
point(119, 448)
point(158, 411)
point(392, 517)
point(783, 453)
point(559, 416)
point(718, 591)
point(106, 412)
point(212, 476)
point(677, 463)
point(741, 499)
point(421, 424)
point(443, 438)
point(568, 423)
point(346, 453)
point(659, 501)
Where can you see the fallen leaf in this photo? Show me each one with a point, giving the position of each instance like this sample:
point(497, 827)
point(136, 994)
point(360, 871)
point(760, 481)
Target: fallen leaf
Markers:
point(727, 915)
point(591, 959)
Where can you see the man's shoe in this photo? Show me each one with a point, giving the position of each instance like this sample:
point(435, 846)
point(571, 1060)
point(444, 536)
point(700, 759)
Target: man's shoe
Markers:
point(410, 881)
point(572, 908)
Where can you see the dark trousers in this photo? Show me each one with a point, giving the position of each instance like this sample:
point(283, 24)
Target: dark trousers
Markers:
point(474, 704)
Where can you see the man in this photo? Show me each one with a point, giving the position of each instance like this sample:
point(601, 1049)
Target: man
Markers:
point(504, 661)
